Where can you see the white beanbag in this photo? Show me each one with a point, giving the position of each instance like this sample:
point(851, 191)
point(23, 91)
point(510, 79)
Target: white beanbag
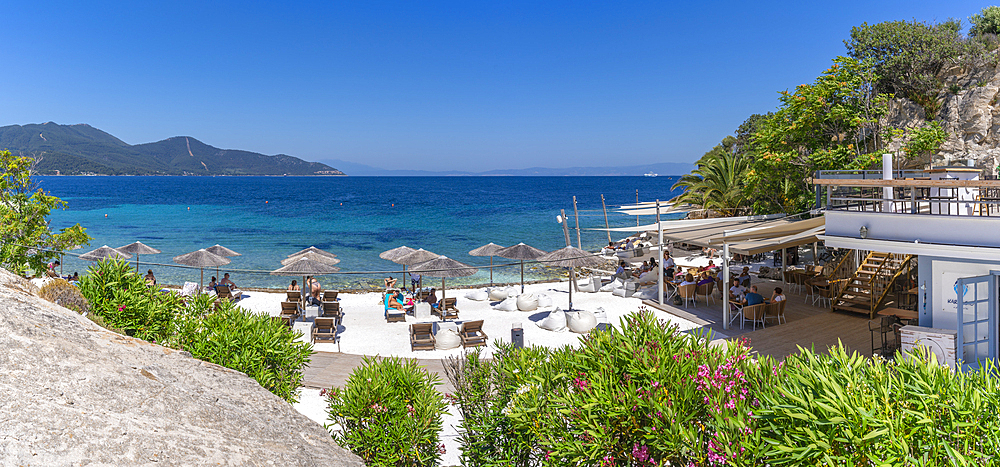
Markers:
point(581, 322)
point(555, 321)
point(526, 302)
point(611, 286)
point(592, 285)
point(647, 277)
point(513, 292)
point(477, 295)
point(544, 301)
point(447, 339)
point(509, 304)
point(600, 315)
point(649, 293)
point(497, 294)
point(619, 291)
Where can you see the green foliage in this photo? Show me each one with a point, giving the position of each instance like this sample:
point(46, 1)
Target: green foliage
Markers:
point(24, 229)
point(840, 409)
point(925, 141)
point(61, 292)
point(834, 123)
point(389, 413)
point(985, 22)
point(121, 298)
point(261, 347)
point(215, 331)
point(746, 132)
point(954, 89)
point(908, 56)
point(716, 184)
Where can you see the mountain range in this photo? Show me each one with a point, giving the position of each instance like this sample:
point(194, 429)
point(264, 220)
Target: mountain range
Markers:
point(82, 149)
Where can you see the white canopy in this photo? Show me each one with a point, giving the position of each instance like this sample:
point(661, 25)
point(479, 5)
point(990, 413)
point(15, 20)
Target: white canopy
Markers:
point(732, 222)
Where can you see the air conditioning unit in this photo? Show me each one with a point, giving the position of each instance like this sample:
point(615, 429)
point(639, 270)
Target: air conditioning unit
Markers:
point(943, 343)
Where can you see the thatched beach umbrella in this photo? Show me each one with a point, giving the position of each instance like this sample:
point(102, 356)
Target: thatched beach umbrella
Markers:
point(201, 259)
point(138, 248)
point(490, 249)
point(221, 251)
point(444, 267)
point(315, 250)
point(104, 252)
point(304, 266)
point(571, 257)
point(396, 253)
point(521, 252)
point(413, 258)
point(311, 256)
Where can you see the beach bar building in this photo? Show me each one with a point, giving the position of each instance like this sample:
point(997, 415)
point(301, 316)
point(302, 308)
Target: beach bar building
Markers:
point(945, 222)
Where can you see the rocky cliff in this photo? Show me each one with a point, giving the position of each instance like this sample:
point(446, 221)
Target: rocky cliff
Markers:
point(72, 393)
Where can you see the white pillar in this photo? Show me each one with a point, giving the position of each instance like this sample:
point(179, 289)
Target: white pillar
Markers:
point(887, 175)
point(725, 286)
point(659, 228)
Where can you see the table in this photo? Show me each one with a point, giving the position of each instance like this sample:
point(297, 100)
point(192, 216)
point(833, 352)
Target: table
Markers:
point(904, 315)
point(422, 310)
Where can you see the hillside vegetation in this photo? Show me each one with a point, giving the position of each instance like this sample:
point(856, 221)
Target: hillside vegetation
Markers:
point(83, 149)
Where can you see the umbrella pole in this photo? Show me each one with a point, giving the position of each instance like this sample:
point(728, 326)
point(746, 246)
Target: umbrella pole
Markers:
point(442, 288)
point(201, 280)
point(491, 271)
point(522, 276)
point(137, 263)
point(571, 277)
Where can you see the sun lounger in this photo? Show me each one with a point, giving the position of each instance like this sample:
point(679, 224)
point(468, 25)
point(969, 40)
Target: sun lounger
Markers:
point(324, 329)
point(472, 334)
point(189, 289)
point(446, 309)
point(392, 315)
point(291, 310)
point(331, 310)
point(293, 296)
point(330, 295)
point(223, 291)
point(422, 336)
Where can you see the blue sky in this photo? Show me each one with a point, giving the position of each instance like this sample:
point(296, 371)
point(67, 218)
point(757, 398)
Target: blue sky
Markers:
point(427, 85)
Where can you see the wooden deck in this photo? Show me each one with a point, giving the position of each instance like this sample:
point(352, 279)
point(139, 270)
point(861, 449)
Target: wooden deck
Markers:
point(331, 369)
point(807, 326)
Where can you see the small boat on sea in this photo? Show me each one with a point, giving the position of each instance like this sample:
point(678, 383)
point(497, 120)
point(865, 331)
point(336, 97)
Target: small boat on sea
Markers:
point(652, 174)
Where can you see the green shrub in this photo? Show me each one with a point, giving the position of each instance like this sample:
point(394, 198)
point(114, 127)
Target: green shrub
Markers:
point(122, 299)
point(840, 409)
point(61, 292)
point(389, 413)
point(257, 345)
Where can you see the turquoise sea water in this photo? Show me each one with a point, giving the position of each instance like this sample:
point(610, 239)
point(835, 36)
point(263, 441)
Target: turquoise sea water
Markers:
point(267, 218)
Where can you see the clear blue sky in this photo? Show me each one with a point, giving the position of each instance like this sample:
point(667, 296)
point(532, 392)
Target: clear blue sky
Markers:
point(433, 85)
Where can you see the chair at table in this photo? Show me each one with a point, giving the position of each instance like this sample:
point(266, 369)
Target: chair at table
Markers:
point(687, 293)
point(755, 314)
point(324, 329)
point(883, 328)
point(776, 311)
point(706, 290)
point(472, 334)
point(422, 336)
point(735, 312)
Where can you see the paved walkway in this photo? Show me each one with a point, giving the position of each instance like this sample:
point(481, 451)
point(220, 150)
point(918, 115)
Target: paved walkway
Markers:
point(331, 369)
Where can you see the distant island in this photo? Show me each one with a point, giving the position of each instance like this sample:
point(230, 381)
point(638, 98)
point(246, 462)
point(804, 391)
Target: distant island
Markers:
point(661, 168)
point(84, 150)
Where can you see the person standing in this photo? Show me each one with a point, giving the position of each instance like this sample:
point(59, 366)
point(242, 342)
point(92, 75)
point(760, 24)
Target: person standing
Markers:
point(315, 292)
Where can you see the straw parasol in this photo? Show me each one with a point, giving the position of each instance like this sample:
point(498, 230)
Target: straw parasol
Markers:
point(490, 249)
point(571, 257)
point(103, 253)
point(396, 253)
point(201, 259)
point(443, 267)
point(221, 251)
point(311, 256)
point(521, 252)
point(138, 248)
point(304, 266)
point(415, 257)
point(315, 250)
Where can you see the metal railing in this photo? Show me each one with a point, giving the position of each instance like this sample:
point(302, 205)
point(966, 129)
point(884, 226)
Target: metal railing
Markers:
point(908, 196)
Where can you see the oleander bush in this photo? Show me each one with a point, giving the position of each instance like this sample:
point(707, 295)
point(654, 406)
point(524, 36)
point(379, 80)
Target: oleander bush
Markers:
point(213, 330)
point(644, 394)
point(389, 413)
point(61, 292)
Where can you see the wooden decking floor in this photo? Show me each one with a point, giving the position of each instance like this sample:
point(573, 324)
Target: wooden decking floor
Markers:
point(807, 326)
point(331, 369)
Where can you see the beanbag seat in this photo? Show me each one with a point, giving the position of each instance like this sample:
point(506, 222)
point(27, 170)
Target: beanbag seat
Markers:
point(497, 294)
point(477, 295)
point(611, 285)
point(648, 276)
point(526, 302)
point(581, 322)
point(447, 339)
point(509, 304)
point(555, 321)
point(649, 293)
point(544, 301)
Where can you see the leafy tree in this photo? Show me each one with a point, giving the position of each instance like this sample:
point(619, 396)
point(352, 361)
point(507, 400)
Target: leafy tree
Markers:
point(908, 56)
point(716, 184)
point(985, 22)
point(24, 229)
point(834, 123)
point(746, 132)
point(925, 142)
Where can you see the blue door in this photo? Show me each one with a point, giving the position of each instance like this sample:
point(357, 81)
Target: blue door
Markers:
point(977, 319)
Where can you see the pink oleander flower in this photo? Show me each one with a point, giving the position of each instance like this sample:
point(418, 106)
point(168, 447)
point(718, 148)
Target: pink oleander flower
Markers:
point(640, 453)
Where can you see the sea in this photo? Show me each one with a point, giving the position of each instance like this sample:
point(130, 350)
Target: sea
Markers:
point(267, 218)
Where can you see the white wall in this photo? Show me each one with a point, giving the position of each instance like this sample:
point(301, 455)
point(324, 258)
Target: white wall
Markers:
point(940, 280)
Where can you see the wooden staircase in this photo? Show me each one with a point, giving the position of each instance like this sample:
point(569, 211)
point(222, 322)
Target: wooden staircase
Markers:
point(866, 290)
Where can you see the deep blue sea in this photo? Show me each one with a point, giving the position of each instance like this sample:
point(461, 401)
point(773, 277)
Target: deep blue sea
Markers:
point(267, 218)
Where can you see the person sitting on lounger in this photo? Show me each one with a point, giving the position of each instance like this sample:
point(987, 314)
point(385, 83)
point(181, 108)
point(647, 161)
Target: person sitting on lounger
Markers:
point(389, 282)
point(395, 300)
point(213, 284)
point(432, 298)
point(227, 281)
point(150, 278)
point(294, 286)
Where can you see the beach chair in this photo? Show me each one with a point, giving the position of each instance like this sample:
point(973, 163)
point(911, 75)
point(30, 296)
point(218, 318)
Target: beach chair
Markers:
point(472, 334)
point(223, 292)
point(446, 309)
point(293, 296)
point(331, 310)
point(422, 336)
point(755, 314)
point(706, 290)
point(330, 295)
point(285, 320)
point(392, 315)
point(688, 293)
point(324, 329)
point(290, 310)
point(189, 289)
point(775, 311)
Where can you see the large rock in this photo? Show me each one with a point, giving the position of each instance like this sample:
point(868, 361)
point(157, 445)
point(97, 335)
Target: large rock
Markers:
point(72, 393)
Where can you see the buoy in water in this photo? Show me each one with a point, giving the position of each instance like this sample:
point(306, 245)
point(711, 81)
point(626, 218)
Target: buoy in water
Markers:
point(265, 202)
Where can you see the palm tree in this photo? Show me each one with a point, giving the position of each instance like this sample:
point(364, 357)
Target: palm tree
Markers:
point(716, 184)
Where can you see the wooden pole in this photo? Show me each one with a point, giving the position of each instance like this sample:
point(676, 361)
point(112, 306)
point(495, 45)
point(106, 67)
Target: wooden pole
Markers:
point(606, 226)
point(576, 216)
point(637, 206)
point(572, 274)
point(565, 227)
